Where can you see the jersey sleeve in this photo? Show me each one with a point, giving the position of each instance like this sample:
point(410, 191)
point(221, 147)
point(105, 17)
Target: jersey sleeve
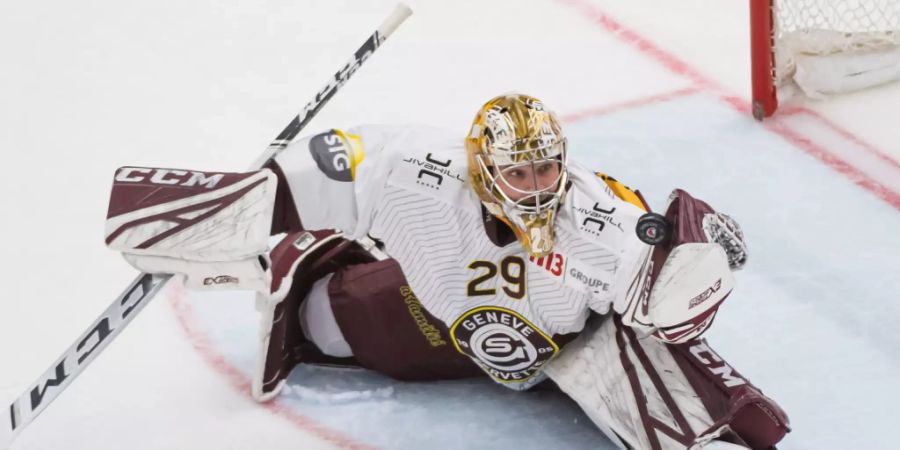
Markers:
point(331, 176)
point(622, 192)
point(633, 253)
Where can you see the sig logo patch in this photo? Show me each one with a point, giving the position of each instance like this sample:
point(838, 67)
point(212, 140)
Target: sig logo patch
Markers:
point(507, 346)
point(336, 158)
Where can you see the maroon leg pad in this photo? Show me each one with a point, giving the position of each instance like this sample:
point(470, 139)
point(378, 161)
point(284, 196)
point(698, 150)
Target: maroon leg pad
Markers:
point(731, 399)
point(387, 327)
point(758, 420)
point(287, 345)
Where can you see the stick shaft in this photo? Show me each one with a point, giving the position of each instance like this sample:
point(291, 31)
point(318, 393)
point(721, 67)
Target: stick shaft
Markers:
point(79, 355)
point(400, 13)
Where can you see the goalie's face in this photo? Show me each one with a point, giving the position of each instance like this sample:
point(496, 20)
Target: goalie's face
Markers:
point(526, 188)
point(533, 182)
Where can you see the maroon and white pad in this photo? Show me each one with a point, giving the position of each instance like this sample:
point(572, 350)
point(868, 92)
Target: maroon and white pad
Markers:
point(205, 216)
point(209, 227)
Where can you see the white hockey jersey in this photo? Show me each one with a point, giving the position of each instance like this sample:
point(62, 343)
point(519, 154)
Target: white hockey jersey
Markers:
point(407, 187)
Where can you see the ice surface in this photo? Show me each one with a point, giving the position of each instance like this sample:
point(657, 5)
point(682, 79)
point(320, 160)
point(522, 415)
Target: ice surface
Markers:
point(88, 86)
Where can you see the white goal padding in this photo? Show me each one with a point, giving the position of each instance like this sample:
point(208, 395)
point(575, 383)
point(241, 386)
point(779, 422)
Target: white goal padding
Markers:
point(836, 46)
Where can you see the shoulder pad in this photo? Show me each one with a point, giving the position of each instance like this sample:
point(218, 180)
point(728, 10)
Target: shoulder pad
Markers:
point(623, 192)
point(354, 147)
point(337, 154)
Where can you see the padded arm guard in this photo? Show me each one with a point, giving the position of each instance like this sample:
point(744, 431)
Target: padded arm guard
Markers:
point(212, 228)
point(683, 283)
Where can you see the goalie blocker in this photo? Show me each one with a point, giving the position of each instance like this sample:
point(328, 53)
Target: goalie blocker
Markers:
point(213, 228)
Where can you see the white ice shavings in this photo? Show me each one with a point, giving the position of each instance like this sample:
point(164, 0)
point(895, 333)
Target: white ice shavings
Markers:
point(329, 395)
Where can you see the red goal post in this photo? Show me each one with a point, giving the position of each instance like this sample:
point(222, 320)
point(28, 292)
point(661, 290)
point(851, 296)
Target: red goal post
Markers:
point(821, 47)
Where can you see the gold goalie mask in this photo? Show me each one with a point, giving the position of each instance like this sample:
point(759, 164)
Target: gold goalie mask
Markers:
point(517, 166)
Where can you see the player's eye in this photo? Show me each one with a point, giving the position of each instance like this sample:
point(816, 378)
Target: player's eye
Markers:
point(547, 168)
point(513, 173)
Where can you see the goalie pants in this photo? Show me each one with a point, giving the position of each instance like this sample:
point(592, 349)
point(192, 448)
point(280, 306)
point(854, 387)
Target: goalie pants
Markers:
point(376, 314)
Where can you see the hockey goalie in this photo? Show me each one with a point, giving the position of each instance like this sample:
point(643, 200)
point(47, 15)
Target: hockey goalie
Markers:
point(428, 255)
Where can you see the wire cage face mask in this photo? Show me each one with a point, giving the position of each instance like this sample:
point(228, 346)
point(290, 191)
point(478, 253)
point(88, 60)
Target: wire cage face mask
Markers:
point(532, 186)
point(517, 162)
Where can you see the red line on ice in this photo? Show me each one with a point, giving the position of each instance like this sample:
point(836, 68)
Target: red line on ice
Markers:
point(616, 107)
point(644, 45)
point(796, 110)
point(837, 164)
point(239, 381)
point(680, 67)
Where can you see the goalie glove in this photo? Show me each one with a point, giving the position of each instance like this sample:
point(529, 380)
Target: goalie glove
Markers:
point(723, 230)
point(679, 287)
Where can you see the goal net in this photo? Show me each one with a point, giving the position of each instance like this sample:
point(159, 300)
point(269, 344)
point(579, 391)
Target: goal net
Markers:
point(822, 46)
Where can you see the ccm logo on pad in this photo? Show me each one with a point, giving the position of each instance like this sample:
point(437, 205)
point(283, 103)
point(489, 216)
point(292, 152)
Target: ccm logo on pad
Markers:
point(168, 177)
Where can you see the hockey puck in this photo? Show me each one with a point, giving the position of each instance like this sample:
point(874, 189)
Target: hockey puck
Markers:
point(653, 229)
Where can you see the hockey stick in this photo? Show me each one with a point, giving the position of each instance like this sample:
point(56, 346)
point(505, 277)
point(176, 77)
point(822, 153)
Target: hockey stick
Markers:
point(400, 13)
point(125, 307)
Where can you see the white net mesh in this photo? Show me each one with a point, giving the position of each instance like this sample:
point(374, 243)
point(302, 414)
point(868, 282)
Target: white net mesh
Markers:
point(826, 27)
